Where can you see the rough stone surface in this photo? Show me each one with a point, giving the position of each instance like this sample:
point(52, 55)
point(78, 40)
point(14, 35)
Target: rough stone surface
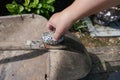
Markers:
point(15, 28)
point(54, 64)
point(69, 64)
point(21, 64)
point(105, 63)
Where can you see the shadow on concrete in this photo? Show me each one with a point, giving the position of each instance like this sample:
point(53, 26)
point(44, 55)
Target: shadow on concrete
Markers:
point(75, 62)
point(99, 72)
point(25, 56)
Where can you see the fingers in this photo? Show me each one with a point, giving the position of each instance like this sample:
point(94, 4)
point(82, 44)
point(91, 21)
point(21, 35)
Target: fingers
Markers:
point(59, 24)
point(57, 35)
point(50, 26)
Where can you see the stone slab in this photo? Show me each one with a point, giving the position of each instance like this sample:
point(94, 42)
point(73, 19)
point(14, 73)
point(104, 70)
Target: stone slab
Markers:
point(22, 64)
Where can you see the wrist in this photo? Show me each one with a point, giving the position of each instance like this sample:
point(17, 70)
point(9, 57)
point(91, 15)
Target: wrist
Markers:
point(73, 12)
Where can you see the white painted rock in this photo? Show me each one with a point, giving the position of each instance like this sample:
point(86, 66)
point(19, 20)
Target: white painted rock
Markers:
point(54, 64)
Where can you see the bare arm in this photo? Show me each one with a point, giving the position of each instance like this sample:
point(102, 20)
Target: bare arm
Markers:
point(63, 20)
point(82, 8)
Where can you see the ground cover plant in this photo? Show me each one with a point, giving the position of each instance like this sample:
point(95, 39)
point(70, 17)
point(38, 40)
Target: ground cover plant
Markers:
point(42, 7)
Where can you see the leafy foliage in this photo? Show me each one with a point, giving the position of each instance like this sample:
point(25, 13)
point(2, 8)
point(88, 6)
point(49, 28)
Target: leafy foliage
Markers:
point(79, 26)
point(15, 8)
point(42, 7)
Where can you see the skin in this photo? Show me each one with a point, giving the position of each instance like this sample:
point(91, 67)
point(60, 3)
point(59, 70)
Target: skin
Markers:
point(63, 20)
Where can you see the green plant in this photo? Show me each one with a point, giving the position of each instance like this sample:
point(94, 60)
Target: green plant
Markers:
point(42, 7)
point(79, 26)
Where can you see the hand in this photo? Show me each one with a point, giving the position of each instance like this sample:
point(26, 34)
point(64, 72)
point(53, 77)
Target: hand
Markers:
point(62, 21)
point(59, 22)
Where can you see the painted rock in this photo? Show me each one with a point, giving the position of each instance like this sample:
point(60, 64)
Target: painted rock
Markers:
point(107, 16)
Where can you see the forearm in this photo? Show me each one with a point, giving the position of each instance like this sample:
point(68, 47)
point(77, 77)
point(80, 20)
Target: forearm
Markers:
point(82, 8)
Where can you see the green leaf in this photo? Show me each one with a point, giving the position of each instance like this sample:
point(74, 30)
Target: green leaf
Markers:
point(15, 8)
point(48, 7)
point(34, 3)
point(50, 1)
point(51, 8)
point(41, 11)
point(38, 11)
point(14, 2)
point(26, 2)
point(39, 6)
point(28, 9)
point(20, 8)
point(79, 25)
point(10, 8)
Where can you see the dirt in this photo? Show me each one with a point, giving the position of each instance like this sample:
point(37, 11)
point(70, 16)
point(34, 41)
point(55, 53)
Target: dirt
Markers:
point(89, 41)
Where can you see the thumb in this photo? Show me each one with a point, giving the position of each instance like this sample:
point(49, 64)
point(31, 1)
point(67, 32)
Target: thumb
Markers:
point(57, 35)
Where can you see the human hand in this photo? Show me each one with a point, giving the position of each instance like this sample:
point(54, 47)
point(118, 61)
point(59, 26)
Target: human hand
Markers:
point(60, 22)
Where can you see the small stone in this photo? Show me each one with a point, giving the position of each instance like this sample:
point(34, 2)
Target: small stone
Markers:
point(119, 38)
point(111, 40)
